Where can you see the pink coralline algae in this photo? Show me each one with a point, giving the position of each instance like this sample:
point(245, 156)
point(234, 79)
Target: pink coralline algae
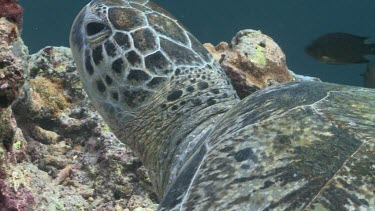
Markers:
point(12, 11)
point(17, 200)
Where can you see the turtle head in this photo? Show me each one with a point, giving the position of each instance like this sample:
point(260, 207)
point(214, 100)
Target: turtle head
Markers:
point(150, 79)
point(133, 57)
point(114, 52)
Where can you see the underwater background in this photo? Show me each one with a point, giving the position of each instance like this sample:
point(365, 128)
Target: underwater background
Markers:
point(293, 24)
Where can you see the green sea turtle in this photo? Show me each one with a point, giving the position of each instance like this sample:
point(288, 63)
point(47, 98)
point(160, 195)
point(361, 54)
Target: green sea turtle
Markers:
point(303, 145)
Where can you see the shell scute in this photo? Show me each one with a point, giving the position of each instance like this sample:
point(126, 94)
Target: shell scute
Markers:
point(168, 27)
point(157, 63)
point(145, 40)
point(126, 19)
point(179, 54)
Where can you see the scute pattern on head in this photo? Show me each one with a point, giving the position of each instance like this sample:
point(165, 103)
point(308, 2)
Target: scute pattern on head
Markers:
point(147, 74)
point(150, 42)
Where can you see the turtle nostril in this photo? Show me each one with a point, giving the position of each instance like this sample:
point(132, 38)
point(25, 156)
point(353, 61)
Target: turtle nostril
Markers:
point(94, 28)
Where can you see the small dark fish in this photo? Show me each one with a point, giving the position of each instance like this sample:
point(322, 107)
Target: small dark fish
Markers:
point(340, 48)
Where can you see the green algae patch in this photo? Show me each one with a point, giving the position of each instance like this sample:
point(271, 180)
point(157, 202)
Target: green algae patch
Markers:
point(60, 68)
point(259, 56)
point(52, 94)
point(17, 145)
point(106, 128)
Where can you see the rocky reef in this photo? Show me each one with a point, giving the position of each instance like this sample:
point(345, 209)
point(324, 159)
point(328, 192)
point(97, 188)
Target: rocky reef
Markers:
point(56, 152)
point(253, 61)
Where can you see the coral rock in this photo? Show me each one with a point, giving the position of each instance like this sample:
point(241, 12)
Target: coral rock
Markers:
point(253, 61)
point(11, 67)
point(7, 129)
point(57, 65)
point(70, 144)
point(218, 52)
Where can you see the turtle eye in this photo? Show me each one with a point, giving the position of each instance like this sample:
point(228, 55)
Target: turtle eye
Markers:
point(94, 28)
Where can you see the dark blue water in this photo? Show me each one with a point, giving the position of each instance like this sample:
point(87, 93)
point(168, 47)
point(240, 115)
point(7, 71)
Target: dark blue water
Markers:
point(293, 24)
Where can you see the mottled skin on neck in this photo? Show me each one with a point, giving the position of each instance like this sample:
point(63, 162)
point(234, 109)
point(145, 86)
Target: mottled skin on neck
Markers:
point(155, 85)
